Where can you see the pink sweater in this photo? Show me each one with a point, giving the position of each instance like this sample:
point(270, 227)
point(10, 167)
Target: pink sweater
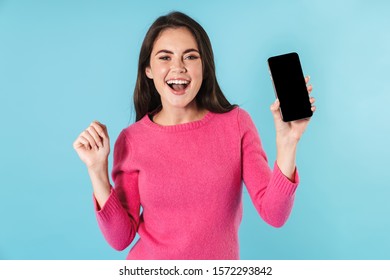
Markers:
point(188, 180)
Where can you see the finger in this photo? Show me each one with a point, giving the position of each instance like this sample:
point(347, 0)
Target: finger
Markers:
point(81, 142)
point(312, 100)
point(275, 105)
point(99, 123)
point(90, 139)
point(85, 143)
point(309, 88)
point(100, 128)
point(102, 132)
point(77, 143)
point(307, 79)
point(275, 109)
point(313, 108)
point(98, 140)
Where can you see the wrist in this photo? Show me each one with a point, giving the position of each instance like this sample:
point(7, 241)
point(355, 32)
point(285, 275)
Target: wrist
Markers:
point(100, 183)
point(99, 173)
point(286, 144)
point(98, 168)
point(286, 157)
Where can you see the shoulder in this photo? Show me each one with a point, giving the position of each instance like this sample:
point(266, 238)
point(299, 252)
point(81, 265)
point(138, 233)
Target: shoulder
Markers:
point(236, 114)
point(133, 129)
point(245, 121)
point(239, 116)
point(238, 120)
point(243, 115)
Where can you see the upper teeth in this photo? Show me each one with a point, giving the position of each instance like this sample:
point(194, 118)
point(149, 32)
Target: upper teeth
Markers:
point(179, 82)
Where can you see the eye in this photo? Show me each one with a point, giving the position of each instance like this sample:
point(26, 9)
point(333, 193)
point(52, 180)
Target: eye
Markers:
point(192, 57)
point(164, 58)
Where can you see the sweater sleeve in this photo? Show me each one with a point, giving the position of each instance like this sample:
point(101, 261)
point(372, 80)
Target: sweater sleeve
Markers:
point(118, 219)
point(270, 191)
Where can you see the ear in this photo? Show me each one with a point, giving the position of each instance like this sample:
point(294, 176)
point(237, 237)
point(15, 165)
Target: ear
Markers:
point(148, 72)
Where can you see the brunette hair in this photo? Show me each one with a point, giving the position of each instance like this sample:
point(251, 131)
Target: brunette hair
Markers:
point(210, 96)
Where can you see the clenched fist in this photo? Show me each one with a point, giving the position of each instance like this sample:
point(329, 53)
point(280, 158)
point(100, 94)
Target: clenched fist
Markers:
point(93, 145)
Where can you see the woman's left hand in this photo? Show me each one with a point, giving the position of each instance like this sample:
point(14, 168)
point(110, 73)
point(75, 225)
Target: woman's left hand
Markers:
point(290, 132)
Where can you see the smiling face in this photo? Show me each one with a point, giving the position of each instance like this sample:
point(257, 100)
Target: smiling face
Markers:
point(176, 68)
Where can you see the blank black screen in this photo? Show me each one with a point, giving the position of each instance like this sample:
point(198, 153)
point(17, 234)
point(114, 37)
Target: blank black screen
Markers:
point(290, 87)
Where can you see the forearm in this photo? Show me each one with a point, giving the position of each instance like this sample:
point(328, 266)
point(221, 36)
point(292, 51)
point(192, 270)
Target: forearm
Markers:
point(100, 183)
point(286, 157)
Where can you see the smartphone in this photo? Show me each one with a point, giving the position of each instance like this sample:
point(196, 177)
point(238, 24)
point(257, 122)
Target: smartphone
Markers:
point(290, 87)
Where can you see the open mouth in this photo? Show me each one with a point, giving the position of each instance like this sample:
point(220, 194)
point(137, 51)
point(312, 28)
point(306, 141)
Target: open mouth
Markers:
point(178, 85)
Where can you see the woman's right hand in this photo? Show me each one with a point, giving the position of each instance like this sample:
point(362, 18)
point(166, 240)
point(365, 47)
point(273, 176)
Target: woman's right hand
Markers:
point(93, 146)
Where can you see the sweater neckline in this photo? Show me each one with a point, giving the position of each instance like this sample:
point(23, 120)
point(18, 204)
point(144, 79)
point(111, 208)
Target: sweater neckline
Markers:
point(177, 127)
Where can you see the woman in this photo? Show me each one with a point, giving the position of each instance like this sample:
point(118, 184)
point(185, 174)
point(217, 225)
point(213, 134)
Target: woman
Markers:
point(186, 156)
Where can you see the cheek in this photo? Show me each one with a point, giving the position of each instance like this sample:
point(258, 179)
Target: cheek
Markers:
point(158, 69)
point(197, 72)
point(162, 69)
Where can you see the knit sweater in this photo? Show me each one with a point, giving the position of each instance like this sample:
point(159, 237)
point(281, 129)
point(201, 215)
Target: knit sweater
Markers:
point(188, 179)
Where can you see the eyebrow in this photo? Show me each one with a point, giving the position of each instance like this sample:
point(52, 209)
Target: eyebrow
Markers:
point(171, 52)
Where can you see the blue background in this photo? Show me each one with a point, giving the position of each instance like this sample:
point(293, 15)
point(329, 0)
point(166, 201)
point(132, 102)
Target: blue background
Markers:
point(66, 63)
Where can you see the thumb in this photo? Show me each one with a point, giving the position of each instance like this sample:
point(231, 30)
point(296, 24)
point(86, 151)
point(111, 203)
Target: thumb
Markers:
point(275, 109)
point(106, 138)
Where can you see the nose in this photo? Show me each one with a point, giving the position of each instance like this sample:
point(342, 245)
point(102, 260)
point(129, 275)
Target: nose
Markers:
point(178, 66)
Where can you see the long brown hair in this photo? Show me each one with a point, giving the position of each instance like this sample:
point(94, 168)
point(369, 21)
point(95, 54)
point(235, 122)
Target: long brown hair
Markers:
point(210, 96)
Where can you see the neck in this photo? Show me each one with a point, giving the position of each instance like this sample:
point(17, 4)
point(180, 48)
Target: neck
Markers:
point(178, 116)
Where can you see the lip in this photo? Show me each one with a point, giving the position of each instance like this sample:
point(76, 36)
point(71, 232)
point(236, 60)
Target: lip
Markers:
point(178, 92)
point(178, 78)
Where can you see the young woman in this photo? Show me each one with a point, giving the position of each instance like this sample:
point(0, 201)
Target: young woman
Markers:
point(185, 158)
